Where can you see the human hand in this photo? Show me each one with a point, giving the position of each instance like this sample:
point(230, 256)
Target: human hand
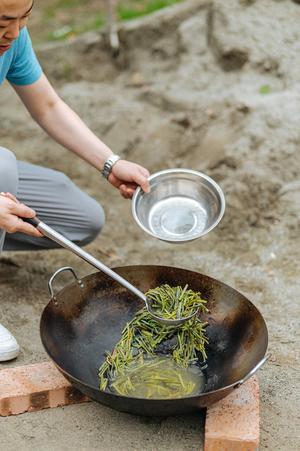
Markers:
point(11, 212)
point(126, 176)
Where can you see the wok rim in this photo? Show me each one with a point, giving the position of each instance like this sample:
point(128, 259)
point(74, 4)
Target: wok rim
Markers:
point(196, 396)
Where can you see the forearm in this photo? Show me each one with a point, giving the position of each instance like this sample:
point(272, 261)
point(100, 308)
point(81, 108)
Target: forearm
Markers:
point(63, 125)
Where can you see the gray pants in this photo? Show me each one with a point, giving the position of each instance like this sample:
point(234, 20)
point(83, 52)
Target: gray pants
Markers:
point(56, 200)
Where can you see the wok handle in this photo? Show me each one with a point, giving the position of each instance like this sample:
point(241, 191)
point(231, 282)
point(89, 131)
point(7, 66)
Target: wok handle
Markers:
point(65, 268)
point(253, 371)
point(33, 221)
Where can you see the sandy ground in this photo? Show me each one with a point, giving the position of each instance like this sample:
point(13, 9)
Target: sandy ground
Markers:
point(208, 86)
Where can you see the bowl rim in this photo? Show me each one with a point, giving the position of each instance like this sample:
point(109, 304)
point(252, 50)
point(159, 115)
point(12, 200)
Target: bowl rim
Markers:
point(139, 192)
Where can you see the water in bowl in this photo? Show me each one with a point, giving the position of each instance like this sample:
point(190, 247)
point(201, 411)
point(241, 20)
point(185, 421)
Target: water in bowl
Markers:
point(177, 218)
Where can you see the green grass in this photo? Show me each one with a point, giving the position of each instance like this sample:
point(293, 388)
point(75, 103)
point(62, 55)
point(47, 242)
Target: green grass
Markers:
point(62, 19)
point(142, 8)
point(67, 31)
point(50, 11)
point(265, 89)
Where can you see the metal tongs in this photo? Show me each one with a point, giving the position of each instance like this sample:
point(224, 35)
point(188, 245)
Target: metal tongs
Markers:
point(67, 244)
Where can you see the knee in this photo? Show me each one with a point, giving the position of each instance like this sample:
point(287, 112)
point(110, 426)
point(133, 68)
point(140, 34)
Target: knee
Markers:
point(8, 171)
point(95, 219)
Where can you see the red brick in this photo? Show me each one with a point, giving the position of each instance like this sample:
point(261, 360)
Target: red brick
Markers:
point(232, 424)
point(35, 387)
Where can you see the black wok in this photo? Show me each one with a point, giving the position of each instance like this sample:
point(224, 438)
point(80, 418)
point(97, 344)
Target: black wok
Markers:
point(86, 318)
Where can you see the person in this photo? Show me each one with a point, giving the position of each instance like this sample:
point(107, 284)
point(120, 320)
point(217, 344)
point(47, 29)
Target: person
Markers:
point(27, 189)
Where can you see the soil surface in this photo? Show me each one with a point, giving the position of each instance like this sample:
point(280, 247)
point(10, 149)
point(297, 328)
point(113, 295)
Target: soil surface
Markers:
point(208, 86)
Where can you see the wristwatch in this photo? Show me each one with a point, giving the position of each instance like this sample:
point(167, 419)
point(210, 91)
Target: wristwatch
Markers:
point(108, 165)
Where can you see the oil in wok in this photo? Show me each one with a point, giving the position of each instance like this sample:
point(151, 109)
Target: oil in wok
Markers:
point(158, 377)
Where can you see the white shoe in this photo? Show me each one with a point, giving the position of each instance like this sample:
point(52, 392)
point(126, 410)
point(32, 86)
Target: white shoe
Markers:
point(9, 348)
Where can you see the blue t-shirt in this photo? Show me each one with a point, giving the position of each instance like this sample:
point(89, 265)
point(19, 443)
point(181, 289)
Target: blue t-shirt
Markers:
point(19, 64)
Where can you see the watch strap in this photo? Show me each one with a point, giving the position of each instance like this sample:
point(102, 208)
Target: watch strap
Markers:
point(108, 165)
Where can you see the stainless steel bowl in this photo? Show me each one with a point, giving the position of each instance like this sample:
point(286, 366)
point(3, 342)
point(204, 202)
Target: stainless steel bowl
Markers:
point(181, 206)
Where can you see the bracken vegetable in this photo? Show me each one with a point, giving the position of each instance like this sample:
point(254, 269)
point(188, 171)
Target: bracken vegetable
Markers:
point(145, 336)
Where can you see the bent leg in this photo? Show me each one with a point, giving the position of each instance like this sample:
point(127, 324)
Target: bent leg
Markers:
point(8, 178)
point(59, 203)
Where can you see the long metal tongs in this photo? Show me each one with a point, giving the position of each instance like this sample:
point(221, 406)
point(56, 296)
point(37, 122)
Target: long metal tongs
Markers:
point(67, 244)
